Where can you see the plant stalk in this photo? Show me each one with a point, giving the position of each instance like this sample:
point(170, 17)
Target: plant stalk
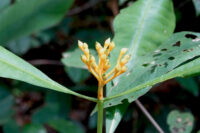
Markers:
point(100, 105)
point(148, 115)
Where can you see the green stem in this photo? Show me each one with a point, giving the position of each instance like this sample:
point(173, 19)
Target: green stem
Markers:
point(100, 104)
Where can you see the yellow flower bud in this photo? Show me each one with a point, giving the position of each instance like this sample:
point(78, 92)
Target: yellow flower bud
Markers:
point(84, 58)
point(87, 52)
point(124, 69)
point(85, 46)
point(80, 44)
point(98, 46)
point(111, 46)
point(117, 69)
point(123, 51)
point(102, 51)
point(107, 43)
point(103, 57)
point(127, 57)
point(92, 59)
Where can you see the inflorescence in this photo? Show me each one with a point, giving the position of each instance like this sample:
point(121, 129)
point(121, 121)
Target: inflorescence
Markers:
point(99, 70)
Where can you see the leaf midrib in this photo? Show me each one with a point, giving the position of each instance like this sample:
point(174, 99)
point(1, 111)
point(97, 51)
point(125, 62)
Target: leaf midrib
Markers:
point(170, 75)
point(63, 89)
point(135, 38)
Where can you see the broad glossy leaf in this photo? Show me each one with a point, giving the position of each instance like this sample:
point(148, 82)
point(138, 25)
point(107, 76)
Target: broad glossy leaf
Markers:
point(14, 67)
point(177, 57)
point(141, 27)
point(180, 122)
point(25, 17)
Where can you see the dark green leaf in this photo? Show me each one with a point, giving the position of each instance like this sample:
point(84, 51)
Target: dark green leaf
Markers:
point(34, 128)
point(22, 45)
point(25, 17)
point(180, 122)
point(190, 85)
point(63, 126)
point(11, 127)
point(77, 75)
point(6, 104)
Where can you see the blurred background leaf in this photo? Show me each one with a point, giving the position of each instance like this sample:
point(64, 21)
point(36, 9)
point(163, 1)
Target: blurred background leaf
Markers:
point(26, 17)
point(180, 122)
point(197, 6)
point(6, 104)
point(189, 84)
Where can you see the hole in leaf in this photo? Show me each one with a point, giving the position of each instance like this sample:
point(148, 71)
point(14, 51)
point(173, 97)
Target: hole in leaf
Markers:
point(109, 104)
point(175, 129)
point(164, 49)
point(186, 50)
point(158, 54)
point(145, 65)
point(191, 36)
point(153, 68)
point(171, 58)
point(165, 64)
point(177, 44)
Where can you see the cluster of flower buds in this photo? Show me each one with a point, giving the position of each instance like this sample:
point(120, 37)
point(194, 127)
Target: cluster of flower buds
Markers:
point(99, 70)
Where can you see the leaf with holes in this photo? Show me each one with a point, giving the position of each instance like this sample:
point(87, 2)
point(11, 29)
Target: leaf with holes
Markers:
point(180, 122)
point(15, 68)
point(177, 57)
point(141, 27)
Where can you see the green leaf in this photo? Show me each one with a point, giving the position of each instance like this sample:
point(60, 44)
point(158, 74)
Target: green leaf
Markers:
point(198, 131)
point(63, 126)
point(180, 122)
point(73, 58)
point(11, 127)
point(6, 104)
point(22, 45)
point(4, 4)
point(197, 6)
point(15, 68)
point(34, 128)
point(81, 74)
point(141, 27)
point(114, 116)
point(177, 57)
point(25, 17)
point(190, 85)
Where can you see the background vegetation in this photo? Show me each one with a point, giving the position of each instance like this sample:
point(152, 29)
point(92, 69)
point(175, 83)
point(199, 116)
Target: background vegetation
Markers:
point(44, 32)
